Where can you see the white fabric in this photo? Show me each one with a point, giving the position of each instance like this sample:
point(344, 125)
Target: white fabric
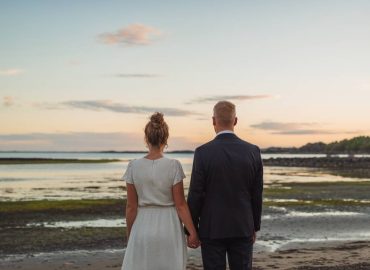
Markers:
point(224, 131)
point(157, 239)
point(153, 179)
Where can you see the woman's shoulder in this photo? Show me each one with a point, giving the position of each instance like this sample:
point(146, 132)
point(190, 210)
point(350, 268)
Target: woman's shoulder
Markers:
point(132, 162)
point(170, 163)
point(175, 164)
point(172, 160)
point(138, 163)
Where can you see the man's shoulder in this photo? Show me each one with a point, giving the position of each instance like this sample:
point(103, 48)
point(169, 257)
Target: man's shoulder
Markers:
point(205, 146)
point(250, 145)
point(213, 143)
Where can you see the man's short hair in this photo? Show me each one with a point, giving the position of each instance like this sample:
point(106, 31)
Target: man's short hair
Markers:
point(224, 112)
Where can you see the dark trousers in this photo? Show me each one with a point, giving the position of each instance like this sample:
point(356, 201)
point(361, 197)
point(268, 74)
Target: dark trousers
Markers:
point(238, 251)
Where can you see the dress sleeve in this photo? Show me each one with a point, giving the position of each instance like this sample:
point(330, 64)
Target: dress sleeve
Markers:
point(128, 177)
point(179, 173)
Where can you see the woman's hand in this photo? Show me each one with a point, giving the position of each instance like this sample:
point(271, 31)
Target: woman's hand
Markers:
point(182, 209)
point(193, 241)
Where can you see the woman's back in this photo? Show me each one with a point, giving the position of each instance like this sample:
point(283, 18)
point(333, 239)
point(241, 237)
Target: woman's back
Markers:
point(156, 207)
point(157, 239)
point(153, 180)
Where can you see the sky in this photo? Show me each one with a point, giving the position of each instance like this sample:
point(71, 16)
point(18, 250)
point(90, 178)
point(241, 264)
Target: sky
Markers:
point(86, 75)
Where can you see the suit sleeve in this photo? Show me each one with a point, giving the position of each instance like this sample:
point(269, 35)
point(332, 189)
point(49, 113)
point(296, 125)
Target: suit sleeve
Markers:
point(196, 190)
point(257, 193)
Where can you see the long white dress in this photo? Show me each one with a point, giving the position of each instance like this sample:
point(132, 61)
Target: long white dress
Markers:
point(157, 239)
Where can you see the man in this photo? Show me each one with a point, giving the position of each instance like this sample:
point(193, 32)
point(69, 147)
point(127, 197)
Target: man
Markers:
point(225, 194)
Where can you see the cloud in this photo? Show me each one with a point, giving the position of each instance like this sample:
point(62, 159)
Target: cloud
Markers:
point(305, 132)
point(282, 126)
point(83, 141)
point(48, 106)
point(298, 128)
point(229, 98)
point(107, 105)
point(136, 75)
point(133, 34)
point(291, 128)
point(8, 101)
point(10, 72)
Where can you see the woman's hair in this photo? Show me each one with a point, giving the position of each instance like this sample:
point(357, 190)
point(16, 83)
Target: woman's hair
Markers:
point(156, 130)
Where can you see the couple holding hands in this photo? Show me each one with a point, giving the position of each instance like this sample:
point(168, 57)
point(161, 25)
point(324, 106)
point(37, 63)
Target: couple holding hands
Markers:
point(222, 212)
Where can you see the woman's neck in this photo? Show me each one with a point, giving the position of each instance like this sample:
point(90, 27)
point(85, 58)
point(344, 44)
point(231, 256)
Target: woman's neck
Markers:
point(154, 153)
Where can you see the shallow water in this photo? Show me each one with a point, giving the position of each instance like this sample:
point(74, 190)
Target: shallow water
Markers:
point(282, 227)
point(103, 180)
point(100, 223)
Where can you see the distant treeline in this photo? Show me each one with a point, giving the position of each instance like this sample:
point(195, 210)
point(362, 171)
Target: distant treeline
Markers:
point(356, 145)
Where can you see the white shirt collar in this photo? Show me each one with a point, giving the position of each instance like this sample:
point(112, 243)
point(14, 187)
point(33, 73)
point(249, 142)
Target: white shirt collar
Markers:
point(225, 131)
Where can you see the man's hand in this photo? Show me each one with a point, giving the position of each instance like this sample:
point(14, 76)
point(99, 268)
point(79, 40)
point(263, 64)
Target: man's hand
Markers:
point(254, 236)
point(193, 241)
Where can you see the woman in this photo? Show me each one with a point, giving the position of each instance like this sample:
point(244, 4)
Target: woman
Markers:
point(155, 206)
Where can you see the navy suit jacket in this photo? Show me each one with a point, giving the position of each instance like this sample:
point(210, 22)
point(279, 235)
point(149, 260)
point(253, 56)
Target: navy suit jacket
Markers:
point(225, 194)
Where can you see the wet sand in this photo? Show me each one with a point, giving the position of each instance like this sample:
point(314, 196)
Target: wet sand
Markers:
point(339, 256)
point(290, 217)
point(305, 225)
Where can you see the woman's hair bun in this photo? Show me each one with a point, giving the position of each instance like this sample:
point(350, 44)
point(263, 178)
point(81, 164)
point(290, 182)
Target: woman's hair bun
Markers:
point(157, 119)
point(156, 130)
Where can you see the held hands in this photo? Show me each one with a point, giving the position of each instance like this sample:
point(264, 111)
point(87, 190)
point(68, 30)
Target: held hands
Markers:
point(193, 241)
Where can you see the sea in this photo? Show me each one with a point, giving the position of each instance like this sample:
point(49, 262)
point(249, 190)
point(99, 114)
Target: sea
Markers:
point(282, 227)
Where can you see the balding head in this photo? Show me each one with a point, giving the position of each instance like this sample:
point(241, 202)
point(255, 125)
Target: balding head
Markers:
point(224, 116)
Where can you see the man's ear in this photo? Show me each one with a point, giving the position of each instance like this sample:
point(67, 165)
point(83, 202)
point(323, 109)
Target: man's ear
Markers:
point(213, 120)
point(235, 121)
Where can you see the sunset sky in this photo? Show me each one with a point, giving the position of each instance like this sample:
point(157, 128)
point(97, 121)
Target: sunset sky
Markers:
point(86, 75)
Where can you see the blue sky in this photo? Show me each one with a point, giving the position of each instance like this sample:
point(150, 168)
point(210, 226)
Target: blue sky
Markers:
point(298, 71)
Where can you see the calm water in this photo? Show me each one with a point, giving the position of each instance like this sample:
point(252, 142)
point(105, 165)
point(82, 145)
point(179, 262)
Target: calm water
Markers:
point(69, 181)
point(102, 180)
point(281, 227)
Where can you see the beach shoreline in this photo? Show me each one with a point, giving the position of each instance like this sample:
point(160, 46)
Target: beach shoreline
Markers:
point(341, 256)
point(71, 216)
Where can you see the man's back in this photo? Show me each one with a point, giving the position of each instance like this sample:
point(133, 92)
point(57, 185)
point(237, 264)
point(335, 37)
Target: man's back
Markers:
point(225, 196)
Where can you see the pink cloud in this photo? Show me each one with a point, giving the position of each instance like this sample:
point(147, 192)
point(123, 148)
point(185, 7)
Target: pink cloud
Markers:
point(133, 34)
point(10, 72)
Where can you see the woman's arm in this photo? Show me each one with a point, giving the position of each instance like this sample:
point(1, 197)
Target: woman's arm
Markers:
point(131, 207)
point(184, 213)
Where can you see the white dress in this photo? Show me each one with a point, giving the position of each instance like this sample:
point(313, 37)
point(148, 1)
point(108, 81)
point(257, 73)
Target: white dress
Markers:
point(157, 239)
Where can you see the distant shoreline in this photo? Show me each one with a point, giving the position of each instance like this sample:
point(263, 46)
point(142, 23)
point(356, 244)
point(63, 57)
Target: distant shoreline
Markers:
point(337, 163)
point(359, 145)
point(13, 161)
point(263, 151)
point(101, 152)
point(321, 162)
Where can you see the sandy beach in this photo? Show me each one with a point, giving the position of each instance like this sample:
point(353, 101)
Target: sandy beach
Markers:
point(354, 255)
point(71, 216)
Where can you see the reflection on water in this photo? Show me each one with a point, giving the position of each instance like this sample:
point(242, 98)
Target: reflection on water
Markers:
point(312, 214)
point(286, 244)
point(103, 180)
point(70, 181)
point(281, 226)
point(121, 222)
point(284, 228)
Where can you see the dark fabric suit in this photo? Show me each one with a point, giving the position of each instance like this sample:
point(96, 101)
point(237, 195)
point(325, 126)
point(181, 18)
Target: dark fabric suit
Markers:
point(225, 200)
